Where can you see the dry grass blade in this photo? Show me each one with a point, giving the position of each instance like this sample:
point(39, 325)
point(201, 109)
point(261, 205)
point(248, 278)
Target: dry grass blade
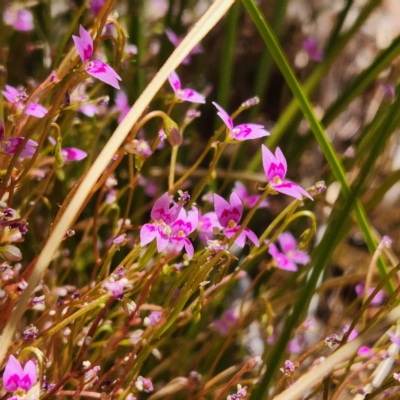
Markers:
point(314, 376)
point(202, 27)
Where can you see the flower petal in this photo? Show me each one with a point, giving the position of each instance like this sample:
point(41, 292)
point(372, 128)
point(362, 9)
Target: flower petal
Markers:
point(174, 81)
point(147, 234)
point(191, 95)
point(12, 374)
point(173, 38)
point(73, 154)
point(287, 242)
point(84, 44)
point(248, 131)
point(36, 110)
point(252, 236)
point(104, 73)
point(224, 116)
point(30, 376)
point(292, 189)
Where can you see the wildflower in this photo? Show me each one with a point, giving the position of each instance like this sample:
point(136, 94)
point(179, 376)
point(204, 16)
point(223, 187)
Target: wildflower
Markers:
point(138, 146)
point(98, 69)
point(116, 288)
point(310, 46)
point(182, 227)
point(208, 225)
point(248, 200)
point(290, 255)
point(16, 378)
point(184, 94)
point(11, 146)
point(31, 332)
point(229, 215)
point(227, 321)
point(176, 40)
point(377, 300)
point(153, 319)
point(18, 97)
point(364, 351)
point(144, 384)
point(19, 18)
point(243, 131)
point(70, 153)
point(275, 168)
point(289, 366)
point(160, 229)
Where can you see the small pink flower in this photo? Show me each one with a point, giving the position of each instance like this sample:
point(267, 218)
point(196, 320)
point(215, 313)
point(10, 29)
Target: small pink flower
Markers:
point(98, 69)
point(184, 94)
point(176, 40)
point(208, 224)
point(182, 227)
point(10, 146)
point(290, 255)
point(70, 153)
point(116, 288)
point(96, 6)
point(275, 168)
point(153, 319)
point(248, 200)
point(15, 377)
point(310, 46)
point(243, 131)
point(229, 215)
point(163, 216)
point(18, 97)
point(20, 19)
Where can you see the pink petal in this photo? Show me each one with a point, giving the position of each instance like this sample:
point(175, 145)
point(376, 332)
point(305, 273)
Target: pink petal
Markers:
point(299, 257)
point(161, 207)
point(104, 73)
point(11, 93)
point(30, 376)
point(252, 236)
point(12, 374)
point(84, 44)
point(191, 95)
point(272, 168)
point(240, 240)
point(240, 190)
point(248, 131)
point(147, 234)
point(162, 241)
point(173, 38)
point(287, 242)
point(237, 206)
point(281, 160)
point(73, 154)
point(221, 207)
point(89, 110)
point(281, 260)
point(224, 116)
point(174, 81)
point(36, 110)
point(291, 189)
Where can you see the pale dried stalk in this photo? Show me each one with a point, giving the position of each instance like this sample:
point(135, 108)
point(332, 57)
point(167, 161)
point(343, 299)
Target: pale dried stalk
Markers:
point(315, 376)
point(217, 10)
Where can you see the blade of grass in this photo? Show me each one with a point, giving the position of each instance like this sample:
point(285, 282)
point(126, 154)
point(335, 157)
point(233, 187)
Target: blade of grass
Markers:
point(216, 11)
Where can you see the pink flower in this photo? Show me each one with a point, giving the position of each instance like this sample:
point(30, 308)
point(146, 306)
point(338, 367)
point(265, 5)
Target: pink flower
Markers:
point(208, 223)
point(20, 19)
point(184, 94)
point(183, 226)
point(275, 168)
point(241, 132)
point(290, 255)
point(310, 46)
point(116, 288)
point(18, 97)
point(153, 319)
point(176, 40)
point(163, 216)
point(144, 384)
point(248, 200)
point(353, 333)
point(229, 215)
point(15, 377)
point(70, 153)
point(394, 339)
point(98, 69)
point(10, 146)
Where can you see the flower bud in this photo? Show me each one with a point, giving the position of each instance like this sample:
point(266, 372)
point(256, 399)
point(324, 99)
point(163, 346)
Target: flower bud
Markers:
point(11, 253)
point(172, 131)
